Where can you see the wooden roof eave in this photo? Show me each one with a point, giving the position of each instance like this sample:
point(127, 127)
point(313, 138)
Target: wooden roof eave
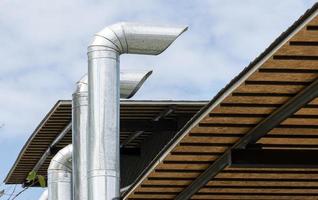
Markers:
point(222, 95)
point(278, 116)
point(47, 116)
point(47, 140)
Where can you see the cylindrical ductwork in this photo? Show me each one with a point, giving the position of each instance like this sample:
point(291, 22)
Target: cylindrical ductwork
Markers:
point(130, 82)
point(60, 175)
point(44, 195)
point(103, 106)
point(79, 140)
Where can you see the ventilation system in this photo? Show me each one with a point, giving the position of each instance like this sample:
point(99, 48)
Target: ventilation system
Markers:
point(95, 120)
point(103, 97)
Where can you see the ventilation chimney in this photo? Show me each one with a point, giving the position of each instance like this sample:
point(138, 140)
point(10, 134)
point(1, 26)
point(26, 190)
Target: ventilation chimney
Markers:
point(130, 82)
point(103, 97)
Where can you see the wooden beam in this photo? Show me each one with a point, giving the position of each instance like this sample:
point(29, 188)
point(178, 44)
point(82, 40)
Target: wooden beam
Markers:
point(165, 113)
point(131, 138)
point(261, 129)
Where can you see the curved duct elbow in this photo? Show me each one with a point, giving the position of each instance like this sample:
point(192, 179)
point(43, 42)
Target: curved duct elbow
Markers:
point(62, 161)
point(44, 195)
point(103, 97)
point(82, 85)
point(130, 83)
point(134, 38)
point(60, 175)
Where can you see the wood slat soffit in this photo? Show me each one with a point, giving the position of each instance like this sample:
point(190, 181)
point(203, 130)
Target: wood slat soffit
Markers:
point(136, 117)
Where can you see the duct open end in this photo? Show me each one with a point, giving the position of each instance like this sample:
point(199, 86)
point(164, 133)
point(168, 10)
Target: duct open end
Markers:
point(44, 195)
point(134, 38)
point(130, 83)
point(104, 92)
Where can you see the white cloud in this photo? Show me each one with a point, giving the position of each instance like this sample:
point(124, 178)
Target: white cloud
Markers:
point(43, 48)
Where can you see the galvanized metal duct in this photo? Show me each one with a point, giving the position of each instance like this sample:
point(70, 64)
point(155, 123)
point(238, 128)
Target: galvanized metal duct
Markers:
point(44, 195)
point(103, 101)
point(130, 82)
point(79, 140)
point(60, 175)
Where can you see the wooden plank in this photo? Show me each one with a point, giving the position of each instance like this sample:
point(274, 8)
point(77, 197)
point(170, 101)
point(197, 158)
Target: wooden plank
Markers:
point(252, 197)
point(264, 170)
point(300, 121)
point(314, 21)
point(267, 175)
point(212, 140)
point(182, 166)
point(232, 120)
point(299, 50)
point(289, 147)
point(307, 111)
point(272, 89)
point(172, 175)
point(247, 183)
point(243, 110)
point(199, 149)
point(290, 141)
point(255, 190)
point(255, 100)
point(227, 190)
point(191, 157)
point(314, 102)
point(290, 64)
point(151, 196)
point(167, 182)
point(287, 77)
point(294, 131)
point(159, 189)
point(304, 35)
point(220, 130)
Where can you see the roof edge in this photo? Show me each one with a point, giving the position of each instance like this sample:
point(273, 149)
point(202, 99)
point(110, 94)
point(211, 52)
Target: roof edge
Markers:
point(47, 116)
point(69, 102)
point(231, 86)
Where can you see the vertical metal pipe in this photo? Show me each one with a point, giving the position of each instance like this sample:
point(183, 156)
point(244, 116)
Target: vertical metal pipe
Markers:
point(103, 97)
point(60, 175)
point(79, 140)
point(103, 165)
point(130, 82)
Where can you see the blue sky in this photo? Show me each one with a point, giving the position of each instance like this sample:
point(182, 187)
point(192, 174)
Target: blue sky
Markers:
point(43, 52)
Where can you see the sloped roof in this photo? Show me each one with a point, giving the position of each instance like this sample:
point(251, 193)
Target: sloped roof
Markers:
point(135, 116)
point(285, 69)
